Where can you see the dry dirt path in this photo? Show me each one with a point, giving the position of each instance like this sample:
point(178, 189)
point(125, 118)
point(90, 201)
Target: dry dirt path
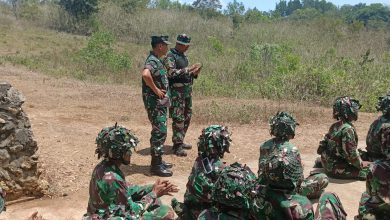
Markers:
point(67, 114)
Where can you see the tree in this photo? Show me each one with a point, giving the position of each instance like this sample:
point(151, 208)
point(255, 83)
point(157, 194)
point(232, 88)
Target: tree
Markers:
point(80, 9)
point(254, 15)
point(207, 4)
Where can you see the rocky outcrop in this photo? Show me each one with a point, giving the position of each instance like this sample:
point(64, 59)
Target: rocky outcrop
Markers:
point(19, 174)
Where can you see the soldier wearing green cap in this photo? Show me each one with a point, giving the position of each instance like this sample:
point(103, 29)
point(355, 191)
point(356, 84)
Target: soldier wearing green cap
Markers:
point(155, 89)
point(181, 78)
point(283, 126)
point(339, 154)
point(108, 188)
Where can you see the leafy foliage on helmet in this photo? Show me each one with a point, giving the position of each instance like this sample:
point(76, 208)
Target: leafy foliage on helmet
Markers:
point(283, 169)
point(113, 142)
point(384, 104)
point(214, 141)
point(346, 108)
point(283, 125)
point(234, 186)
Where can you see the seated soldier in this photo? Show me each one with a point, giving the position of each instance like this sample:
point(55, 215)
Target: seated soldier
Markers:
point(231, 194)
point(212, 144)
point(277, 199)
point(375, 202)
point(374, 135)
point(283, 129)
point(339, 154)
point(108, 187)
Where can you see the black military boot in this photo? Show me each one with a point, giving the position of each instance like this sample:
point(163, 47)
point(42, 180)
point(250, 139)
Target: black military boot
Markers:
point(186, 146)
point(157, 167)
point(179, 151)
point(167, 165)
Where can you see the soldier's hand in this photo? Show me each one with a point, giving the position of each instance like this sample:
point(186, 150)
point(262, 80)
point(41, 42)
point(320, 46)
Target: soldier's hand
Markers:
point(366, 164)
point(160, 93)
point(170, 188)
point(164, 187)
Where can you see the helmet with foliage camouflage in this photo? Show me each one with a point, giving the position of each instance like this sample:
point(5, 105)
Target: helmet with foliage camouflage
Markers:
point(384, 104)
point(283, 125)
point(214, 141)
point(113, 142)
point(234, 186)
point(378, 180)
point(346, 108)
point(283, 169)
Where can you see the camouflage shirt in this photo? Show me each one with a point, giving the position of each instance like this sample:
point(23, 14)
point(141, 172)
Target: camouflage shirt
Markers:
point(342, 142)
point(176, 63)
point(158, 72)
point(374, 136)
point(269, 147)
point(108, 187)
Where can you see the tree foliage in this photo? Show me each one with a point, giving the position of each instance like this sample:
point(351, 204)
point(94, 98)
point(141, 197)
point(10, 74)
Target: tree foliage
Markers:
point(80, 9)
point(207, 4)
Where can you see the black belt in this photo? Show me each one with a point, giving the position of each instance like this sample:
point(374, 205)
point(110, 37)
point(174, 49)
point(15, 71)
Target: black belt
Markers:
point(179, 80)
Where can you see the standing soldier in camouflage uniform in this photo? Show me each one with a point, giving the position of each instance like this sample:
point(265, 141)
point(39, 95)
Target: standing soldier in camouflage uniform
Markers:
point(375, 202)
point(283, 128)
point(213, 143)
point(108, 187)
point(339, 154)
point(180, 84)
point(232, 194)
point(155, 89)
point(373, 141)
point(277, 199)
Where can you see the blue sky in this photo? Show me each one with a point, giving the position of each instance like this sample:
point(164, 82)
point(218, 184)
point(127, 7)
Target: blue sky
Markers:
point(266, 5)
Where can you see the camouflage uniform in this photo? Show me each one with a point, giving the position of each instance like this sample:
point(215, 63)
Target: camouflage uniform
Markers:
point(213, 143)
point(155, 107)
point(180, 85)
point(339, 154)
point(232, 194)
point(108, 187)
point(277, 199)
point(283, 127)
point(375, 202)
point(374, 135)
point(2, 200)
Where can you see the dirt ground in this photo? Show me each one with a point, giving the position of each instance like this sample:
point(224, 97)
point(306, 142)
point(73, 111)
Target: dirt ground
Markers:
point(66, 116)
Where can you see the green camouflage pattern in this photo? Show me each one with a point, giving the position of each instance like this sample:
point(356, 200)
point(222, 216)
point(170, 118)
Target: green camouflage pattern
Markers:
point(283, 125)
point(386, 142)
point(113, 142)
point(330, 208)
point(384, 104)
point(214, 141)
point(346, 108)
point(156, 108)
point(312, 186)
point(339, 154)
point(180, 85)
point(2, 200)
point(108, 188)
point(375, 138)
point(375, 201)
point(232, 194)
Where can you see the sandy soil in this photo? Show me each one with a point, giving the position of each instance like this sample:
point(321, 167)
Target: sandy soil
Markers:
point(66, 116)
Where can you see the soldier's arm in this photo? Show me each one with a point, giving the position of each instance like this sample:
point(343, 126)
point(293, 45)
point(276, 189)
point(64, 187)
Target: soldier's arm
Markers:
point(137, 192)
point(147, 77)
point(349, 145)
point(170, 64)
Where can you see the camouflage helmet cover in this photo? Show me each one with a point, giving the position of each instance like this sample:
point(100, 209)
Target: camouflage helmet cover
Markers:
point(113, 142)
point(384, 104)
point(346, 108)
point(214, 141)
point(234, 186)
point(284, 169)
point(283, 125)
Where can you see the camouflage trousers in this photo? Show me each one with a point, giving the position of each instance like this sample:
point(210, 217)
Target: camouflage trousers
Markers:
point(330, 207)
point(163, 212)
point(314, 185)
point(158, 118)
point(189, 212)
point(341, 169)
point(370, 208)
point(180, 111)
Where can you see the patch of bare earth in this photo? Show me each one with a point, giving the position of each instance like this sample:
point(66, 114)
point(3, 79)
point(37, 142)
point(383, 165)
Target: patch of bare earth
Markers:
point(66, 116)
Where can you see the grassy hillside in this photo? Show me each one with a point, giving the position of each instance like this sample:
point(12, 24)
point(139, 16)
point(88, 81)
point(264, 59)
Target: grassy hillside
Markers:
point(305, 60)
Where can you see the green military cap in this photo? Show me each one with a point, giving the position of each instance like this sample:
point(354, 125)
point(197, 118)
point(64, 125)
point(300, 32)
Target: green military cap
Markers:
point(183, 39)
point(160, 39)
